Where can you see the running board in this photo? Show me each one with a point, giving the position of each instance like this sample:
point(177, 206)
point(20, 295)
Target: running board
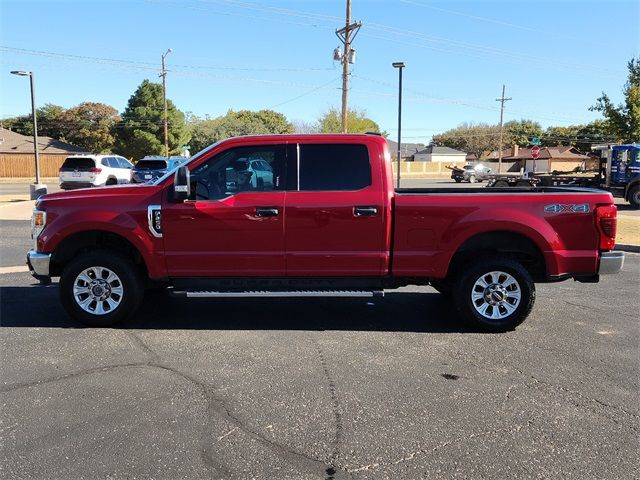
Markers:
point(282, 294)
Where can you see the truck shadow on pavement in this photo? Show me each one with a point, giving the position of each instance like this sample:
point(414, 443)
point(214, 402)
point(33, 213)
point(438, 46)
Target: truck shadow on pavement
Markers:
point(427, 312)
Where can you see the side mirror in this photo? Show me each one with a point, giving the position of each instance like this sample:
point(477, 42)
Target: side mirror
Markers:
point(181, 184)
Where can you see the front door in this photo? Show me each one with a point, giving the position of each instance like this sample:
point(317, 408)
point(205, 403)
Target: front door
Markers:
point(233, 226)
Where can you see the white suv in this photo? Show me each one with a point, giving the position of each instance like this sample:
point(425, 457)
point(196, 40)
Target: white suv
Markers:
point(81, 171)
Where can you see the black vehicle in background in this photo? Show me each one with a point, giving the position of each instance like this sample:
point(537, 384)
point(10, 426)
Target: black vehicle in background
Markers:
point(150, 168)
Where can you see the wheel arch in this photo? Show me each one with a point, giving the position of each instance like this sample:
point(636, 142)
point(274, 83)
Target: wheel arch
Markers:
point(512, 244)
point(88, 240)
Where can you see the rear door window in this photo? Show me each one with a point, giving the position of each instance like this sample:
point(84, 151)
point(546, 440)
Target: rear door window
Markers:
point(338, 167)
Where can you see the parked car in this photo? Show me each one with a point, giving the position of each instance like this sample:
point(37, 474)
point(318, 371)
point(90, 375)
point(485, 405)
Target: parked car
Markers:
point(471, 173)
point(150, 168)
point(254, 174)
point(334, 226)
point(83, 171)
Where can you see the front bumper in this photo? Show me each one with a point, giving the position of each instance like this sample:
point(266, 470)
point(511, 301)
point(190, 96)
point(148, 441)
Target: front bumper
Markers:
point(38, 264)
point(611, 262)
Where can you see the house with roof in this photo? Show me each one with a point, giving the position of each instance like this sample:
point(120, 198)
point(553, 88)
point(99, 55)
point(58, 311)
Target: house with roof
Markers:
point(407, 150)
point(561, 159)
point(18, 160)
point(434, 153)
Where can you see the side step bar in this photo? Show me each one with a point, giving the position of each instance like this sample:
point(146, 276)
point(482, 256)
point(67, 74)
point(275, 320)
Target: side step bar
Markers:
point(280, 294)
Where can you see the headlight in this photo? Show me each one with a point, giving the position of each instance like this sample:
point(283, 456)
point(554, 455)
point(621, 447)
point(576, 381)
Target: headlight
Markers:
point(38, 221)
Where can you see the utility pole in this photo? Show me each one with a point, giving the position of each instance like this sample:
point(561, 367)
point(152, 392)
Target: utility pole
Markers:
point(502, 99)
point(347, 57)
point(164, 98)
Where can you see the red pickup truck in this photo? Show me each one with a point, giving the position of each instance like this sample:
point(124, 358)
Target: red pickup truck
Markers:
point(316, 215)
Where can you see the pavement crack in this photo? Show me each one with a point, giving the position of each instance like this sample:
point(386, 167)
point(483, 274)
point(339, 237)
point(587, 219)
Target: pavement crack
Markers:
point(335, 407)
point(591, 307)
point(35, 383)
point(436, 448)
point(153, 356)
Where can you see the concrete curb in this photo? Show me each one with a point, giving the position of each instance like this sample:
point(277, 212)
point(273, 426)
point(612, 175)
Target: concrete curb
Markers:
point(628, 248)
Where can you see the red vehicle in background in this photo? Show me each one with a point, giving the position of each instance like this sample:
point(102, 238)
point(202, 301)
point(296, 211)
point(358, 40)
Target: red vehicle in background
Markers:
point(328, 223)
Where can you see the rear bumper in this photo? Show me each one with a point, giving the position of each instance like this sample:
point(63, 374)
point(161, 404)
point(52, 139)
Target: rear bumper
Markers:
point(611, 262)
point(38, 264)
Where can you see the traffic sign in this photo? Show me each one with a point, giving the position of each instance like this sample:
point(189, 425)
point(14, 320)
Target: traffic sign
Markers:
point(535, 152)
point(535, 141)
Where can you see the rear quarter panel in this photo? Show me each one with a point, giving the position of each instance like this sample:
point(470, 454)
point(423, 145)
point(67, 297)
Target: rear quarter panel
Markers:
point(430, 228)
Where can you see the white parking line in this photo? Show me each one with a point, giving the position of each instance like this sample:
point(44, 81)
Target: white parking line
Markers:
point(18, 269)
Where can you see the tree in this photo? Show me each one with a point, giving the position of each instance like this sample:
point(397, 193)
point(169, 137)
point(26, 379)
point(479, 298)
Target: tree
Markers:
point(624, 119)
point(520, 132)
point(91, 125)
point(302, 126)
point(141, 131)
point(561, 136)
point(357, 122)
point(235, 123)
point(472, 138)
point(49, 122)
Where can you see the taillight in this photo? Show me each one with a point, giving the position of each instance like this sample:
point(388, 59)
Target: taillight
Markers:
point(95, 170)
point(607, 221)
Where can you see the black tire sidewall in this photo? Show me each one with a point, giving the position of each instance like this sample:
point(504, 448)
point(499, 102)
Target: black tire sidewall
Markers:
point(464, 286)
point(121, 266)
point(634, 191)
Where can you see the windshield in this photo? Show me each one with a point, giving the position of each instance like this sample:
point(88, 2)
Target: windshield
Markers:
point(195, 157)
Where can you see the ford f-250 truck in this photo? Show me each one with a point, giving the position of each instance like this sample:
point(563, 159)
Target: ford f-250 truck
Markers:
point(316, 215)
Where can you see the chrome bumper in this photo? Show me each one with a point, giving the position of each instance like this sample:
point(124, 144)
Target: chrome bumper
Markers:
point(611, 262)
point(38, 263)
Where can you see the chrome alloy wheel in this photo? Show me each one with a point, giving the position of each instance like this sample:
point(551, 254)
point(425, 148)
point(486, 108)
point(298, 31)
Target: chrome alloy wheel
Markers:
point(98, 290)
point(496, 295)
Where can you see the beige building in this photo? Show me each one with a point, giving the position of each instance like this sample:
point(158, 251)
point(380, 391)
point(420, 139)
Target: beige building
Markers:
point(17, 157)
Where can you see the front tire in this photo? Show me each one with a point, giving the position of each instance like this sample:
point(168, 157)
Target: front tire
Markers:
point(472, 179)
point(495, 294)
point(101, 288)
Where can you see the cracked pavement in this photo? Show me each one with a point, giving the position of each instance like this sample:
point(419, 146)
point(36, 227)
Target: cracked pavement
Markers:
point(319, 389)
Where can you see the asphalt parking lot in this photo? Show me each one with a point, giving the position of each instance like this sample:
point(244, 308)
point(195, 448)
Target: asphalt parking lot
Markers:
point(319, 389)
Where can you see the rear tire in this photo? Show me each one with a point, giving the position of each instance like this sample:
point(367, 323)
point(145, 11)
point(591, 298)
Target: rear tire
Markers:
point(472, 179)
point(111, 181)
point(458, 180)
point(494, 294)
point(501, 184)
point(523, 183)
point(634, 196)
point(101, 288)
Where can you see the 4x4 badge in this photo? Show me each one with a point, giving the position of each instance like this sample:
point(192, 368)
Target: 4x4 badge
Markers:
point(567, 208)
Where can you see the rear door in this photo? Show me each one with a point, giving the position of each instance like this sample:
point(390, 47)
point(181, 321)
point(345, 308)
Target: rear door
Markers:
point(335, 218)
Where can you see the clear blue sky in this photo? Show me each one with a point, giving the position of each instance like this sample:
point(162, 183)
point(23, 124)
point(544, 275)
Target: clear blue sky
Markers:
point(555, 57)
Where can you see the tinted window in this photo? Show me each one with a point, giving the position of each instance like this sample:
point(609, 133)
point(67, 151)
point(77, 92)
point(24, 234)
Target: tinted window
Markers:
point(77, 163)
point(106, 161)
point(334, 167)
point(232, 171)
point(151, 165)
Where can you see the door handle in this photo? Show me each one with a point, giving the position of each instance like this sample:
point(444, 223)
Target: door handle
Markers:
point(266, 212)
point(365, 211)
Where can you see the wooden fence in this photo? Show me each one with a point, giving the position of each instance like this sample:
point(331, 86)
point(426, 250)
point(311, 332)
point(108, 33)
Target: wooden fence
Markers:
point(23, 165)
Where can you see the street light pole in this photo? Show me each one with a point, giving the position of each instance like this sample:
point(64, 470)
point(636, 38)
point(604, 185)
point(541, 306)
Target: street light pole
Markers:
point(399, 66)
point(37, 189)
point(164, 98)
